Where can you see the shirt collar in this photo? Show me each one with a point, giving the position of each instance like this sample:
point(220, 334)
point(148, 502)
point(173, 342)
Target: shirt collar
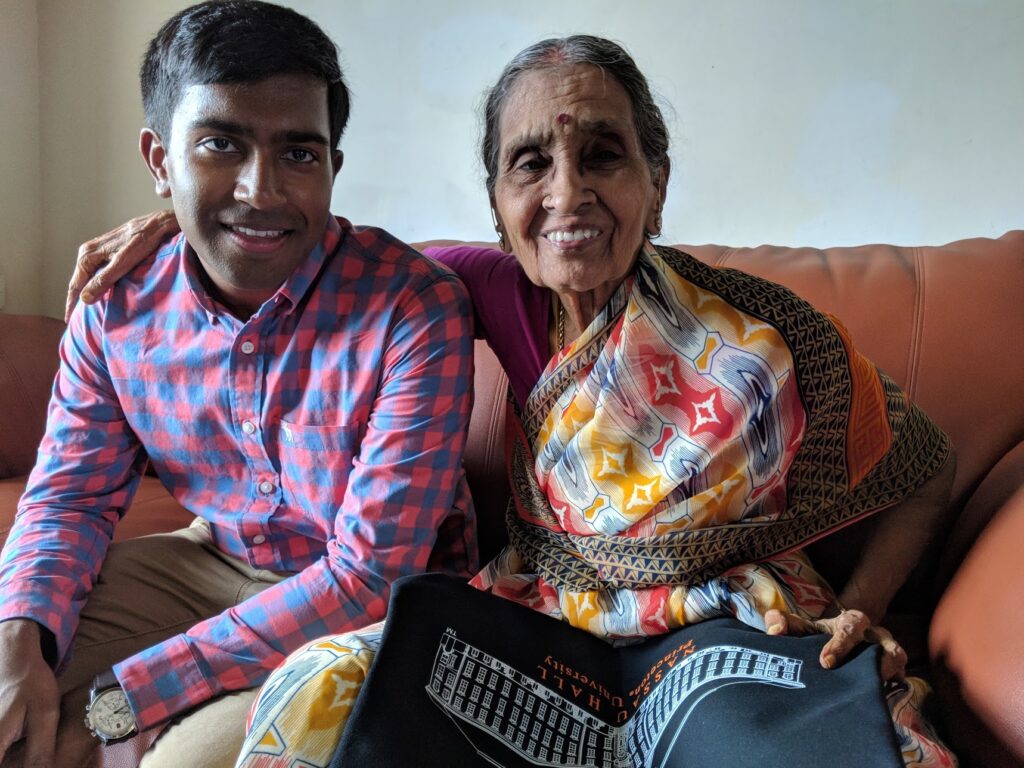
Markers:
point(291, 292)
point(295, 288)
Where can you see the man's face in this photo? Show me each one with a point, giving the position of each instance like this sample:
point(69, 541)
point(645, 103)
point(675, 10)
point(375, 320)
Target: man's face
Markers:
point(249, 169)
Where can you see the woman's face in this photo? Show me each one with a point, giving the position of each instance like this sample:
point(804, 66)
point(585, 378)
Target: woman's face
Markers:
point(573, 192)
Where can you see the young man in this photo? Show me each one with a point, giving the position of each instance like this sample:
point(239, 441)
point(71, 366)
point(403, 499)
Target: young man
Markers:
point(301, 385)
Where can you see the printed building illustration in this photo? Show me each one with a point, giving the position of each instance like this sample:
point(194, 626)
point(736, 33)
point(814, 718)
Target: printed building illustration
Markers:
point(544, 728)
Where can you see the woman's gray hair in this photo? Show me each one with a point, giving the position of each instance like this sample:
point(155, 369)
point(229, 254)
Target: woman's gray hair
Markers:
point(578, 49)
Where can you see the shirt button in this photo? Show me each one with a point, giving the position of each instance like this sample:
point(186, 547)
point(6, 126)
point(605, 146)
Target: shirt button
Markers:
point(259, 538)
point(266, 487)
point(248, 347)
point(248, 427)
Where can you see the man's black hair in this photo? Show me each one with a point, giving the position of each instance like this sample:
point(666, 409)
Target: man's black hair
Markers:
point(237, 41)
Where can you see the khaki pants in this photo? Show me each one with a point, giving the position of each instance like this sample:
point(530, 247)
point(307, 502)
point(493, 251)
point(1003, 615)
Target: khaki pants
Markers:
point(150, 589)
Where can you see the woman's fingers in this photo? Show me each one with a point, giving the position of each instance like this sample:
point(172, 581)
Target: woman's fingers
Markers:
point(112, 263)
point(847, 630)
point(894, 658)
point(775, 622)
point(103, 260)
point(92, 255)
point(778, 623)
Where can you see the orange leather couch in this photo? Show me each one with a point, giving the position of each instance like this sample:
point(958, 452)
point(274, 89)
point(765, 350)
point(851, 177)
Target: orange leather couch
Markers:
point(946, 322)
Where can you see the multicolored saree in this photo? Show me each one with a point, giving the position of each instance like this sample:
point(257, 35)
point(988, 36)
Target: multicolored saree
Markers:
point(671, 461)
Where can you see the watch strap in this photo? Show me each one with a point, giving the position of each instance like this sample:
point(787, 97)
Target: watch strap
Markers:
point(104, 681)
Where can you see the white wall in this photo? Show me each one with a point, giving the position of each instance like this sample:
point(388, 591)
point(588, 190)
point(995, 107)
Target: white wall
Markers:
point(801, 122)
point(20, 166)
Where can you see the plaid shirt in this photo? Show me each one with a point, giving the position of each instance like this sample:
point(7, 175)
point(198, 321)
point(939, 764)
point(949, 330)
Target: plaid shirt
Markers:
point(323, 436)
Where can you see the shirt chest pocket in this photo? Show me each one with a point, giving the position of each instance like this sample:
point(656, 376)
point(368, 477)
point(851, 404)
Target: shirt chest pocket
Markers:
point(316, 462)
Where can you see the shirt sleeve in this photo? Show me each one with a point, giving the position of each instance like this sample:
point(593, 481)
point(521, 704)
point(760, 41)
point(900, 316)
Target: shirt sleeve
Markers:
point(406, 478)
point(486, 272)
point(510, 312)
point(86, 473)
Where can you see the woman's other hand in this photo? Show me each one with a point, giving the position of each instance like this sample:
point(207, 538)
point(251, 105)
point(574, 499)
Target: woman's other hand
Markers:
point(105, 259)
point(846, 630)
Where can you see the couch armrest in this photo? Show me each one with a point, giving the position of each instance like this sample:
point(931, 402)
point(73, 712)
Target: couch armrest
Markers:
point(976, 633)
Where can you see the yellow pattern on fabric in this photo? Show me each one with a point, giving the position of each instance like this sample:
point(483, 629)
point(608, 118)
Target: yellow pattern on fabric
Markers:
point(304, 705)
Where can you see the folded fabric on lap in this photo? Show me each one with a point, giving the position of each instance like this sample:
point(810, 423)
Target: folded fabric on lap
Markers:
point(465, 679)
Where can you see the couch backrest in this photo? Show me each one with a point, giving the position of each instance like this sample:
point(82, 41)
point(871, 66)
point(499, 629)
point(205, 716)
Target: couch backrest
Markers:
point(947, 323)
point(28, 362)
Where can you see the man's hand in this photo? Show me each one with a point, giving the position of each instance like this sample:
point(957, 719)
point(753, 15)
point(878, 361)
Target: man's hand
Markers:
point(847, 630)
point(105, 259)
point(29, 699)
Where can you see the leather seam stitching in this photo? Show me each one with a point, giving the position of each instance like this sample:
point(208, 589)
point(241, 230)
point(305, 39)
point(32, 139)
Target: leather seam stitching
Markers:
point(917, 324)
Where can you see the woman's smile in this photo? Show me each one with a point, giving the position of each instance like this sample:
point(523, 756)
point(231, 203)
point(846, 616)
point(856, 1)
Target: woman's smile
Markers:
point(569, 238)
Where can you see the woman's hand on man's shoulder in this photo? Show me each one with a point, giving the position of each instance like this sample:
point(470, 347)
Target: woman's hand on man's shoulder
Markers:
point(104, 260)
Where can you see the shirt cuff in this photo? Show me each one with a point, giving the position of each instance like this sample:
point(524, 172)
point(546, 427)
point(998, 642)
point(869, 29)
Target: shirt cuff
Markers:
point(48, 613)
point(162, 681)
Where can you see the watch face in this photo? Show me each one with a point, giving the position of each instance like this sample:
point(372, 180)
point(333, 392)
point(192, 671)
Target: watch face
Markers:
point(110, 715)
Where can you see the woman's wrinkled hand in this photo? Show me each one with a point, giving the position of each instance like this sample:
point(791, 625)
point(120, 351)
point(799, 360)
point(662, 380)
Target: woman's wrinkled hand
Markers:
point(105, 259)
point(846, 630)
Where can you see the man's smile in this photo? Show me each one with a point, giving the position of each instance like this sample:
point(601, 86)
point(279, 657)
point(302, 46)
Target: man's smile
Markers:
point(257, 239)
point(258, 232)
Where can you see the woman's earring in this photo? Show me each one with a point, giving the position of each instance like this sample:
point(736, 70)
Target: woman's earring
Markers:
point(657, 228)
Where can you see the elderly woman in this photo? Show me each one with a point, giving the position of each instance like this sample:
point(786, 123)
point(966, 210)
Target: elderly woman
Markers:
point(613, 345)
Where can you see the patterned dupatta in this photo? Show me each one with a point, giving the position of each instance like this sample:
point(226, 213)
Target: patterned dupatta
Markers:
point(705, 419)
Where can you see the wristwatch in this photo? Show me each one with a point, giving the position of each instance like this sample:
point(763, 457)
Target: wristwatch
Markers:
point(107, 715)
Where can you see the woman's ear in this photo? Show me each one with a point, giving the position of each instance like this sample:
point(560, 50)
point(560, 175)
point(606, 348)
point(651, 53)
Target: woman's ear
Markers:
point(153, 153)
point(498, 226)
point(495, 218)
point(660, 181)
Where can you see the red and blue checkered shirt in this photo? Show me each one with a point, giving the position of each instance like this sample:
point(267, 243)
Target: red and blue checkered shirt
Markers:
point(323, 436)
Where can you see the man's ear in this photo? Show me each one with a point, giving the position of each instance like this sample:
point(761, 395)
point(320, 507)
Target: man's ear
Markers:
point(337, 159)
point(152, 148)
